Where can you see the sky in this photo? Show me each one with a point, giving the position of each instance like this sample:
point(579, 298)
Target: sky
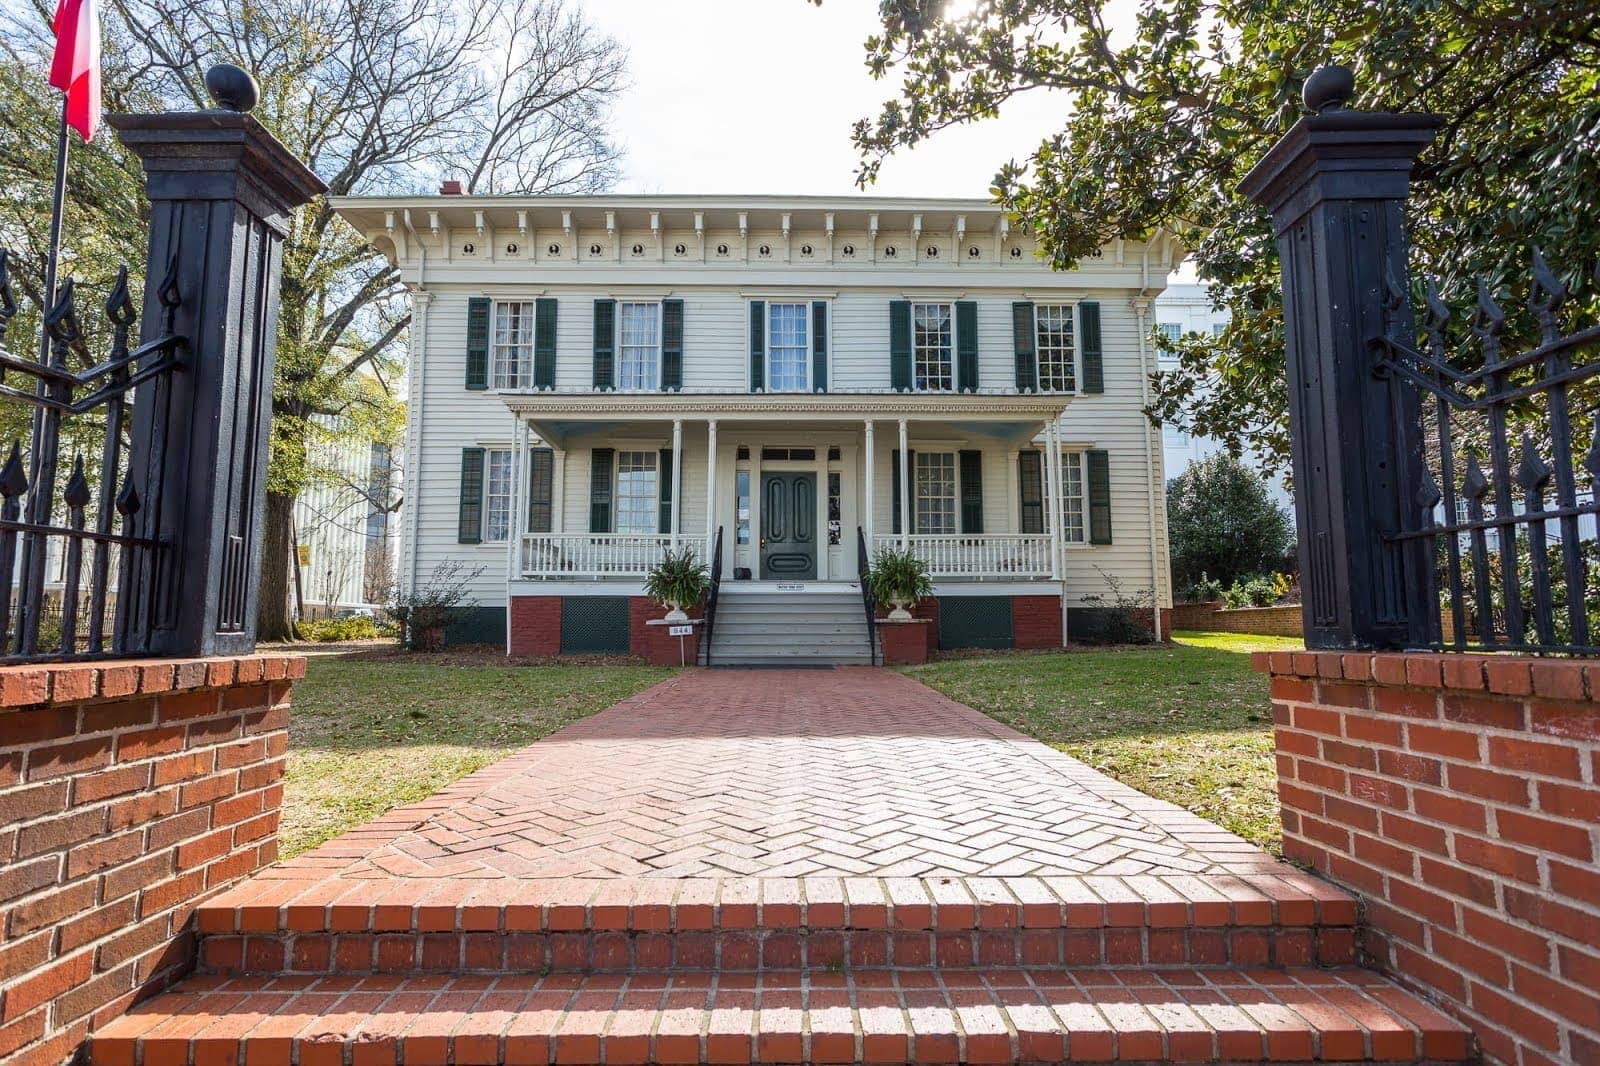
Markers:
point(759, 96)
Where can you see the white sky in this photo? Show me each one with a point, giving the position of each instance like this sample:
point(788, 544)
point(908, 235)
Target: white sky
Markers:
point(759, 96)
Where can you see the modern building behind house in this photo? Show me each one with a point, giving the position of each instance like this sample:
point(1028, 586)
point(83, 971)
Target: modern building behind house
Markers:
point(347, 546)
point(595, 380)
point(1179, 311)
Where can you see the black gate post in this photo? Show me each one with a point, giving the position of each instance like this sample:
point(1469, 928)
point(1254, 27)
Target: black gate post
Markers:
point(221, 190)
point(1336, 185)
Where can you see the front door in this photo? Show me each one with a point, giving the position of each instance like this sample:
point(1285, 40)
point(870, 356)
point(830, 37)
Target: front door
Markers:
point(788, 527)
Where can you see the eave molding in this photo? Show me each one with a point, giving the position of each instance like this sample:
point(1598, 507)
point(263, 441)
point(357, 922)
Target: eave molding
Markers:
point(882, 406)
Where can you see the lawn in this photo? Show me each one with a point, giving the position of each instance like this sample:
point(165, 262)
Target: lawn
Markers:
point(374, 730)
point(1189, 723)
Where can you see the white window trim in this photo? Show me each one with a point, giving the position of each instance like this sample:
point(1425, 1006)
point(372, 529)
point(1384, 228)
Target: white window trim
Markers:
point(1077, 347)
point(616, 489)
point(525, 379)
point(616, 341)
point(811, 346)
point(954, 370)
point(1074, 457)
point(916, 511)
point(489, 452)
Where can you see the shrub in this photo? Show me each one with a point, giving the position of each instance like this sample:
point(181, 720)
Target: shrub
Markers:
point(355, 627)
point(898, 576)
point(1223, 522)
point(1258, 591)
point(1204, 590)
point(678, 580)
point(1117, 620)
point(423, 612)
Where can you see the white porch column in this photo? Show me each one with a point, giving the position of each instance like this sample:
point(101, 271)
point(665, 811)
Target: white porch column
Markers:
point(711, 485)
point(518, 523)
point(558, 490)
point(869, 490)
point(677, 478)
point(1057, 504)
point(821, 511)
point(905, 488)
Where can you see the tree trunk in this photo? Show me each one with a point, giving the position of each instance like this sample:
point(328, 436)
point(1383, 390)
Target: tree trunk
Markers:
point(273, 620)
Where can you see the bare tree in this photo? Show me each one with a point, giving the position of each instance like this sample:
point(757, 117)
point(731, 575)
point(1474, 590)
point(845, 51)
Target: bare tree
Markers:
point(377, 96)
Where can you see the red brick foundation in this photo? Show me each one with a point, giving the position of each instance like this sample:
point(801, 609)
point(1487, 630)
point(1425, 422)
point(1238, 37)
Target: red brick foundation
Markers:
point(535, 626)
point(906, 643)
point(653, 643)
point(1036, 621)
point(1460, 796)
point(128, 792)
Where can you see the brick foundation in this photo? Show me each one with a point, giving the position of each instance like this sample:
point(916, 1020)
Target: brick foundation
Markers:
point(128, 792)
point(1036, 621)
point(535, 626)
point(1460, 796)
point(906, 643)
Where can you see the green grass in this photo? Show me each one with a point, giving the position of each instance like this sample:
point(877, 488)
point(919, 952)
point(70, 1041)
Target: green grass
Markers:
point(370, 732)
point(1189, 723)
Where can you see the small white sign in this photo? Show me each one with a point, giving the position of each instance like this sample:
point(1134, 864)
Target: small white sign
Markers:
point(680, 631)
point(790, 588)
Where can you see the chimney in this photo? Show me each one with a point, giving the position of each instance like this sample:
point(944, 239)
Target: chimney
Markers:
point(450, 188)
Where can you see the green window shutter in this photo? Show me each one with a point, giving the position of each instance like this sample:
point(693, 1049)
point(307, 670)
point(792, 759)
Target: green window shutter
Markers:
point(900, 345)
point(541, 487)
point(1030, 491)
point(1094, 371)
point(819, 346)
point(758, 345)
point(469, 524)
point(544, 343)
point(605, 344)
point(664, 491)
point(478, 342)
point(971, 463)
point(966, 346)
point(672, 345)
point(601, 462)
point(1023, 341)
point(1098, 476)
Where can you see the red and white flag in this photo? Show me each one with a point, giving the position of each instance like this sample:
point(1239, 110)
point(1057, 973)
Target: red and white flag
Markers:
point(75, 69)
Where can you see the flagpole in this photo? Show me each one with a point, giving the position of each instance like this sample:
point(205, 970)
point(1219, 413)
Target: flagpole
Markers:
point(53, 253)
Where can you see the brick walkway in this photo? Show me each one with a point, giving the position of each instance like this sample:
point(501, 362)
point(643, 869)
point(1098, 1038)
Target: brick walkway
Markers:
point(852, 772)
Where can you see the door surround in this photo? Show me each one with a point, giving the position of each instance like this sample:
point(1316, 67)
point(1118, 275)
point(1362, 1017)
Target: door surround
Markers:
point(788, 502)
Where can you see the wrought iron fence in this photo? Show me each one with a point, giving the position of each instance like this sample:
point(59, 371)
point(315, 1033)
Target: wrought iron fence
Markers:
point(1513, 528)
point(41, 531)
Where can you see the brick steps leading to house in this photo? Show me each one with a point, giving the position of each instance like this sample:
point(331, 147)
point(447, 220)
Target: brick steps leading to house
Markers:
point(743, 925)
point(986, 1016)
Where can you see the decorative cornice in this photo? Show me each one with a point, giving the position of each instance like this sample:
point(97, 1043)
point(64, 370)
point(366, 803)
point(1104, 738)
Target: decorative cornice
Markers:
point(884, 405)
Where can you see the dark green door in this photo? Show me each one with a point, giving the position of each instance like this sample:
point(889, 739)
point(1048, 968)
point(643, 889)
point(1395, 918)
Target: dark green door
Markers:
point(788, 527)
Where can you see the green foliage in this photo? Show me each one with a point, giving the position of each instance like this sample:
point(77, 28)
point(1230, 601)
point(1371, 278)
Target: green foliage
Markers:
point(897, 576)
point(1168, 107)
point(679, 580)
point(1223, 522)
point(1560, 598)
point(354, 627)
point(1259, 591)
point(1120, 617)
point(1203, 589)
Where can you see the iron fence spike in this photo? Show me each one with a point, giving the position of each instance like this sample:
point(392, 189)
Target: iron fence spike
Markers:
point(1474, 485)
point(1428, 494)
point(119, 304)
point(13, 478)
point(8, 299)
point(76, 494)
point(1533, 473)
point(128, 499)
point(62, 319)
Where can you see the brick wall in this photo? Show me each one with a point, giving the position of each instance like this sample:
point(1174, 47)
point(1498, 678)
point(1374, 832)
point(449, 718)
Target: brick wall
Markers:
point(1036, 621)
point(128, 791)
point(535, 626)
point(1460, 796)
point(1287, 620)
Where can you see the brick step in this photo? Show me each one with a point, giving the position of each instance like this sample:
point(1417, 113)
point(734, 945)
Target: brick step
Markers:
point(356, 926)
point(987, 1016)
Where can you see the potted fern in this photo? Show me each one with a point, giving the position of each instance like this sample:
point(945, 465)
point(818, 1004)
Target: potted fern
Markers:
point(679, 580)
point(897, 577)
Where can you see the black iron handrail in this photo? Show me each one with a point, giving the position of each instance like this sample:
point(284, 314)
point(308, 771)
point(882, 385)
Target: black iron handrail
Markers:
point(868, 603)
point(711, 593)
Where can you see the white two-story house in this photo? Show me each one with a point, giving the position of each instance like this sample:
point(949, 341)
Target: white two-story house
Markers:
point(780, 384)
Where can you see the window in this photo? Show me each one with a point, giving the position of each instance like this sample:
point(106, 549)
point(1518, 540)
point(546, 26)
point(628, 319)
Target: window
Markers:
point(497, 496)
point(1072, 497)
point(639, 343)
point(511, 354)
point(1170, 330)
point(936, 492)
point(637, 505)
point(1218, 328)
point(1058, 371)
point(788, 351)
point(835, 527)
point(931, 331)
point(741, 504)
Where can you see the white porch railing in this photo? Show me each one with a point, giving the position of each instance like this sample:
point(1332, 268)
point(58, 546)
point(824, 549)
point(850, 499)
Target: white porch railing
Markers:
point(566, 555)
point(1004, 555)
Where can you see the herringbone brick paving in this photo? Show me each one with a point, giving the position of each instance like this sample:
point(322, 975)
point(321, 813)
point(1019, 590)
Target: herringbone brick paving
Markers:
point(779, 774)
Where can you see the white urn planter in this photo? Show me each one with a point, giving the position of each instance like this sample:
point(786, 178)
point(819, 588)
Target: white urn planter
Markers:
point(900, 613)
point(675, 614)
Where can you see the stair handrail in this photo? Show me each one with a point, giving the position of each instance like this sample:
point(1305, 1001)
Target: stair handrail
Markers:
point(711, 593)
point(868, 603)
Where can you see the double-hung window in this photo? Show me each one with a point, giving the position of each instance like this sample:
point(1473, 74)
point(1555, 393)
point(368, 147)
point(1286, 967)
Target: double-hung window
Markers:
point(639, 346)
point(1058, 369)
point(932, 348)
point(511, 353)
point(935, 483)
point(497, 495)
point(788, 348)
point(1072, 497)
point(1172, 331)
point(637, 506)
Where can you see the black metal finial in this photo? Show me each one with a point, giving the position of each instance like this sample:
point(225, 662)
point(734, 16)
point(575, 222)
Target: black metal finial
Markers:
point(77, 490)
point(232, 87)
point(1328, 89)
point(13, 481)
